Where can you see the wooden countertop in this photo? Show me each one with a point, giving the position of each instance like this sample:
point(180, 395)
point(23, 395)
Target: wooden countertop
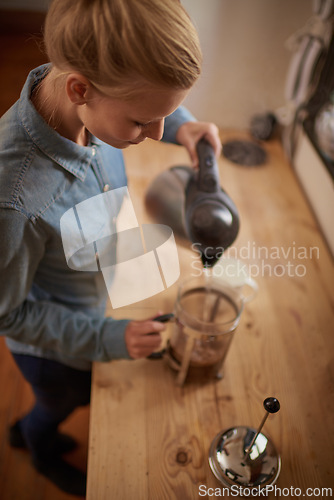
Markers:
point(149, 438)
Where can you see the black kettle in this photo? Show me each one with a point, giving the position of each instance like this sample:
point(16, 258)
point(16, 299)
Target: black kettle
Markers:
point(194, 205)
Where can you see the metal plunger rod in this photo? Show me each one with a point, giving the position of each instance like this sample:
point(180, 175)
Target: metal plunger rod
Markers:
point(248, 450)
point(271, 405)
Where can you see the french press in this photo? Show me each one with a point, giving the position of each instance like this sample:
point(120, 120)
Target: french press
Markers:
point(245, 459)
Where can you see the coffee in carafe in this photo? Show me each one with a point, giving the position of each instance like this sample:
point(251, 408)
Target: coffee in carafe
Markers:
point(206, 316)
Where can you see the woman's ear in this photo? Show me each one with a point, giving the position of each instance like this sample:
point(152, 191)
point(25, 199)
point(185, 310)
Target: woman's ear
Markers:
point(77, 87)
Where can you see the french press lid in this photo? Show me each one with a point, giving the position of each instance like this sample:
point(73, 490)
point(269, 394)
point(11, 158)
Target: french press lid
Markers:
point(244, 457)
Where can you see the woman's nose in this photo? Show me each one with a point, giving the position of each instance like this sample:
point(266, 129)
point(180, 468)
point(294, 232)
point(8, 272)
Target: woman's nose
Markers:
point(155, 130)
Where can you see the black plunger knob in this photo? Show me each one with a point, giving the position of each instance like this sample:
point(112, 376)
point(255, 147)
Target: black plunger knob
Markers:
point(271, 405)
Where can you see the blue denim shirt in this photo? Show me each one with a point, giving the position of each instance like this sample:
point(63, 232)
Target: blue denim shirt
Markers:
point(46, 308)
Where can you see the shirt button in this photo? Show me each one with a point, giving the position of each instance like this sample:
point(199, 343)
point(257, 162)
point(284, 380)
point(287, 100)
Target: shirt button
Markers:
point(93, 151)
point(106, 188)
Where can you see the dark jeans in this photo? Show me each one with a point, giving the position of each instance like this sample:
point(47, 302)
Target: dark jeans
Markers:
point(58, 389)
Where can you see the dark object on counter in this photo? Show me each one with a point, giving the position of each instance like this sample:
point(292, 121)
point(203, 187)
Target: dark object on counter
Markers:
point(245, 153)
point(263, 126)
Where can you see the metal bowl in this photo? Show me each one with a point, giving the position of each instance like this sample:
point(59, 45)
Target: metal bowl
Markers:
point(227, 459)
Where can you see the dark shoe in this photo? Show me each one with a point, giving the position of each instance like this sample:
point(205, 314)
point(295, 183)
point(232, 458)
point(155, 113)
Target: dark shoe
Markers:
point(63, 475)
point(62, 443)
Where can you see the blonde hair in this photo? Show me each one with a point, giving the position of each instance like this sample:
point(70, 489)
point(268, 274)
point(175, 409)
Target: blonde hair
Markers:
point(116, 44)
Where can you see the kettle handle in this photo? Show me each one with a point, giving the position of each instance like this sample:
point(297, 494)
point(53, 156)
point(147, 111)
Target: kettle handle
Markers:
point(208, 174)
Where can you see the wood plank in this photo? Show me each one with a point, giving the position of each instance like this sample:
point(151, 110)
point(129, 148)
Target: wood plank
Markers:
point(282, 347)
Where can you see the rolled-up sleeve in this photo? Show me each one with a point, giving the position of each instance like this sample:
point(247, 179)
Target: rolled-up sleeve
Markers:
point(174, 121)
point(48, 325)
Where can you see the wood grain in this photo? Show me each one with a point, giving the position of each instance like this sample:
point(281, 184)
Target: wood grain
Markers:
point(149, 438)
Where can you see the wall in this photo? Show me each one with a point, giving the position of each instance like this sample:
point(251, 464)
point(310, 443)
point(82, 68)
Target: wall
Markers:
point(245, 60)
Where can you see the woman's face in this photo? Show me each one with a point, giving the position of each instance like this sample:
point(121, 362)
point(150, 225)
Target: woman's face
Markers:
point(122, 123)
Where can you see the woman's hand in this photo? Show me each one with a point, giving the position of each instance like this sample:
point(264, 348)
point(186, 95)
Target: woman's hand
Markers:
point(191, 132)
point(139, 344)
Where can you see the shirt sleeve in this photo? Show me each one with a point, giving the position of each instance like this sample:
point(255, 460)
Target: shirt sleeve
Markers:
point(46, 324)
point(174, 121)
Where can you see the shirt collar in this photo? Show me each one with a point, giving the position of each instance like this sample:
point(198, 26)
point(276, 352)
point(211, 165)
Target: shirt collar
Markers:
point(74, 158)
